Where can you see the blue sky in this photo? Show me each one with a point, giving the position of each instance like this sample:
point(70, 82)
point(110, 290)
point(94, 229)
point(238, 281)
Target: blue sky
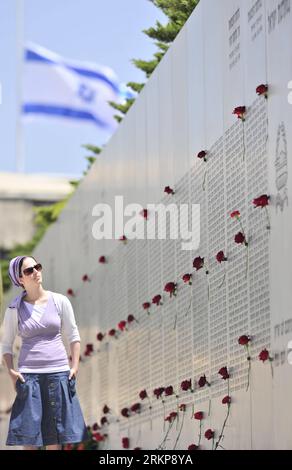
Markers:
point(108, 32)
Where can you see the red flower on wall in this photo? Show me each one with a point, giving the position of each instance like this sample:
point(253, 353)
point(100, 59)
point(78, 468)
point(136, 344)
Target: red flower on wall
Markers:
point(244, 340)
point(89, 349)
point(125, 442)
point(263, 202)
point(131, 318)
point(144, 213)
point(105, 410)
point(168, 190)
point(209, 434)
point(240, 239)
point(224, 373)
point(193, 447)
point(198, 263)
point(157, 300)
point(85, 278)
point(240, 111)
point(125, 412)
point(186, 385)
point(168, 390)
point(143, 394)
point(220, 257)
point(102, 259)
point(264, 356)
point(70, 292)
point(123, 239)
point(146, 306)
point(187, 278)
point(99, 336)
point(170, 287)
point(203, 381)
point(136, 408)
point(262, 90)
point(202, 155)
point(172, 416)
point(112, 333)
point(158, 392)
point(199, 415)
point(122, 325)
point(103, 420)
point(226, 400)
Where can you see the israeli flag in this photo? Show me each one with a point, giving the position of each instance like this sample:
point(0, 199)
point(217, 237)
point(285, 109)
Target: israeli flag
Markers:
point(69, 90)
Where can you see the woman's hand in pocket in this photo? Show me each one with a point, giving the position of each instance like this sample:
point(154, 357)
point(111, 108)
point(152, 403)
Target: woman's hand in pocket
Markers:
point(15, 376)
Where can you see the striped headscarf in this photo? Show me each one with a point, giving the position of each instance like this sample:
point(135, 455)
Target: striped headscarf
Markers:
point(14, 270)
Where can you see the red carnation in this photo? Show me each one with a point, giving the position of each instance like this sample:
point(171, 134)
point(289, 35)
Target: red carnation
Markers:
point(70, 292)
point(235, 214)
point(198, 263)
point(101, 259)
point(226, 400)
point(187, 278)
point(103, 420)
point(199, 415)
point(261, 201)
point(112, 332)
point(186, 385)
point(144, 213)
point(202, 155)
point(136, 408)
point(98, 437)
point(125, 443)
point(122, 325)
point(143, 394)
point(224, 373)
point(193, 447)
point(182, 407)
point(264, 355)
point(158, 392)
point(85, 278)
point(146, 305)
point(89, 347)
point(220, 257)
point(168, 190)
point(168, 390)
point(240, 239)
point(209, 434)
point(99, 336)
point(105, 409)
point(244, 340)
point(125, 412)
point(262, 90)
point(95, 427)
point(131, 318)
point(123, 238)
point(203, 381)
point(240, 112)
point(171, 288)
point(157, 300)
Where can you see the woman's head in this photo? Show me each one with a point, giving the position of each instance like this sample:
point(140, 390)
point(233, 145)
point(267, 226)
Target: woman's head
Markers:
point(24, 271)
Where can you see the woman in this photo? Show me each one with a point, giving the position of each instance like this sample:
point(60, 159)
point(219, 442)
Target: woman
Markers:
point(46, 410)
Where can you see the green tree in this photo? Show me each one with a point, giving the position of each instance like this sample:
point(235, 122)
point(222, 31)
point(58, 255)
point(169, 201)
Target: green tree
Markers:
point(177, 12)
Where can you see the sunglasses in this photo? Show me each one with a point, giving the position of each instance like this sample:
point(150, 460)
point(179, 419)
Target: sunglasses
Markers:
point(29, 271)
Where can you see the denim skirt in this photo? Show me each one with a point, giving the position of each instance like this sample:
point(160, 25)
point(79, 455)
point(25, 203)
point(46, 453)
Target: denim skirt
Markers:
point(46, 411)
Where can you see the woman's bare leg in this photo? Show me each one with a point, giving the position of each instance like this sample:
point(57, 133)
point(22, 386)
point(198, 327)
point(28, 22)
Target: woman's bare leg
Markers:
point(29, 448)
point(54, 447)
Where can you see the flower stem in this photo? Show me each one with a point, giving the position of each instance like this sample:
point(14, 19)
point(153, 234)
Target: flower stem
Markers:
point(223, 427)
point(268, 217)
point(181, 426)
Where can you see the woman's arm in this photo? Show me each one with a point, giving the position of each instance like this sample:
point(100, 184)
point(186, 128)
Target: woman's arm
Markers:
point(72, 333)
point(10, 329)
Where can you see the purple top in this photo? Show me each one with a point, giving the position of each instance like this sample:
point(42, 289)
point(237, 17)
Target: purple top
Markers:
point(42, 345)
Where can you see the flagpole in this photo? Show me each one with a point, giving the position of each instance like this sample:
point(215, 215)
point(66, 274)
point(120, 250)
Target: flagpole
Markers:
point(19, 147)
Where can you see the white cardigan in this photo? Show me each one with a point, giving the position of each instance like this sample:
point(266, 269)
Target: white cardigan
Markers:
point(68, 325)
